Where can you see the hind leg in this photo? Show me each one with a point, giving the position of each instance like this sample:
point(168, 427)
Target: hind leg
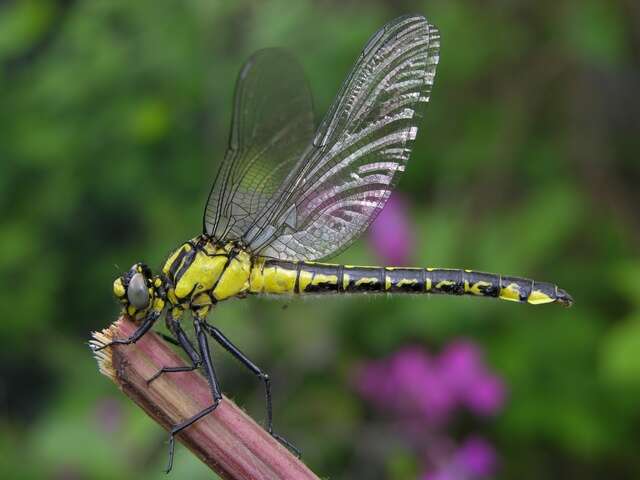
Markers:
point(219, 337)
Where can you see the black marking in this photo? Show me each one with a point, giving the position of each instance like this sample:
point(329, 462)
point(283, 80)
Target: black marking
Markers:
point(523, 284)
point(226, 265)
point(364, 279)
point(447, 281)
point(318, 269)
point(296, 286)
point(490, 286)
point(177, 267)
point(405, 280)
point(547, 288)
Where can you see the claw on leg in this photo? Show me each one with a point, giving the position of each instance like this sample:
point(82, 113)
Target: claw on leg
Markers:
point(171, 370)
point(181, 426)
point(146, 325)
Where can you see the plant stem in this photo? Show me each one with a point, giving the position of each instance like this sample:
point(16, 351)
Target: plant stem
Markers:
point(229, 441)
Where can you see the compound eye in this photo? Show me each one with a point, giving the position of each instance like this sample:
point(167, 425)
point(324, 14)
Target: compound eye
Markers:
point(137, 292)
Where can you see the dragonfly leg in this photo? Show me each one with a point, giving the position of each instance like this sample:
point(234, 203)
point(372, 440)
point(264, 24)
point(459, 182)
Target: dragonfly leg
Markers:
point(181, 426)
point(219, 337)
point(210, 374)
point(144, 327)
point(186, 345)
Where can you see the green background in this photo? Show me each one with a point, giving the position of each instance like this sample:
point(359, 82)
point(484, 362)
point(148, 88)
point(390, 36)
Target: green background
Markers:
point(113, 117)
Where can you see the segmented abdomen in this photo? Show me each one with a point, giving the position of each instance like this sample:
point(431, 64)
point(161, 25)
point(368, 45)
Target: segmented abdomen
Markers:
point(282, 277)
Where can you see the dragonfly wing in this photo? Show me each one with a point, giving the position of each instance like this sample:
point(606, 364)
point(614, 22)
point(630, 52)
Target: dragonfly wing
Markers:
point(271, 127)
point(359, 151)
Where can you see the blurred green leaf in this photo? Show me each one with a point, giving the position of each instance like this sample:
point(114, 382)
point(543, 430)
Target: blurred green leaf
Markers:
point(595, 30)
point(620, 362)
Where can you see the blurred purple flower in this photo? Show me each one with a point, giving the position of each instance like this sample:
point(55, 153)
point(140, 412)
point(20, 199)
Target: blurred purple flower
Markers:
point(485, 396)
point(462, 364)
point(108, 414)
point(390, 235)
point(422, 392)
point(412, 384)
point(440, 475)
point(475, 459)
point(478, 457)
point(408, 385)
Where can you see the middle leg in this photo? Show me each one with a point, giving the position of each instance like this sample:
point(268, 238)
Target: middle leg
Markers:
point(173, 324)
point(212, 379)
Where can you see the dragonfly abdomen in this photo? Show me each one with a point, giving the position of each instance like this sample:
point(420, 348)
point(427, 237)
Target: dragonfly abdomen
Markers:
point(284, 277)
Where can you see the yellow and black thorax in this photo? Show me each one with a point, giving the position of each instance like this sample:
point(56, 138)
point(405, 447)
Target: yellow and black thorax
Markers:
point(202, 268)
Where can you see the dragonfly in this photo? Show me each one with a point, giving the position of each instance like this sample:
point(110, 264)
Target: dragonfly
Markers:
point(287, 196)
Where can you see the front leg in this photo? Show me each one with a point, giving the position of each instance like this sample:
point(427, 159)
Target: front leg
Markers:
point(173, 324)
point(144, 327)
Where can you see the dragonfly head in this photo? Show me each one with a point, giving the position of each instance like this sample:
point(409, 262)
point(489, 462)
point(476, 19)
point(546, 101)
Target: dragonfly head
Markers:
point(138, 291)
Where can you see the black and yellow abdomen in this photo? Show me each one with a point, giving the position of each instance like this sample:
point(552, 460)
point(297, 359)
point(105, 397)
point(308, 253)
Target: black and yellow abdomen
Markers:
point(282, 277)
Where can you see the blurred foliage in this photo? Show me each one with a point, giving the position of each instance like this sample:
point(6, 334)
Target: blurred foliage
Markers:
point(113, 116)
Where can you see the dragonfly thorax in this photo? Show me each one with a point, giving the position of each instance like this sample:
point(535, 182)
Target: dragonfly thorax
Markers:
point(201, 272)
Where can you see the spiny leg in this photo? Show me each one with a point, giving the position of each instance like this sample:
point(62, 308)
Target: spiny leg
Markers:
point(181, 426)
point(146, 325)
point(210, 374)
point(184, 342)
point(242, 358)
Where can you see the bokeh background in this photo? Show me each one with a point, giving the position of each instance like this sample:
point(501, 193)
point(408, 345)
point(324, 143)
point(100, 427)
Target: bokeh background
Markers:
point(113, 117)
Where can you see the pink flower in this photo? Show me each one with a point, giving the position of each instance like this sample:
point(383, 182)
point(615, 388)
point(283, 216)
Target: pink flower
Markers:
point(421, 393)
point(463, 365)
point(409, 386)
point(475, 459)
point(486, 395)
point(390, 235)
point(108, 414)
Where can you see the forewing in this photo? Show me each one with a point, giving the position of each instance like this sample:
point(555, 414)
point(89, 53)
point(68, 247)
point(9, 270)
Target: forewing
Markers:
point(359, 151)
point(272, 125)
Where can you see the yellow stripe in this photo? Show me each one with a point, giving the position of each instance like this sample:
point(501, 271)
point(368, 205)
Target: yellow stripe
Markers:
point(319, 278)
point(475, 288)
point(304, 279)
point(510, 293)
point(345, 280)
point(234, 279)
point(278, 280)
point(537, 298)
point(445, 283)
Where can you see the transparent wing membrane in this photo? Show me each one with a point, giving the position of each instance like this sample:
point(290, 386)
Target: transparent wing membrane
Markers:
point(329, 189)
point(272, 125)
